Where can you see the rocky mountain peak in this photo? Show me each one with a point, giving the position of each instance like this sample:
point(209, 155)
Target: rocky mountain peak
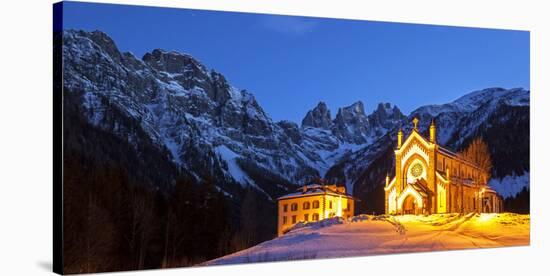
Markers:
point(385, 115)
point(319, 117)
point(105, 42)
point(384, 107)
point(473, 100)
point(351, 124)
point(357, 108)
point(353, 114)
point(90, 42)
point(173, 62)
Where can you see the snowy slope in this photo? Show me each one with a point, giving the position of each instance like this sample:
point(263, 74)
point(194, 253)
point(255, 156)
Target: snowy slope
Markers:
point(372, 235)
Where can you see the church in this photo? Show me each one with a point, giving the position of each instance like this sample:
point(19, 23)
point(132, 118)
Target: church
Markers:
point(431, 179)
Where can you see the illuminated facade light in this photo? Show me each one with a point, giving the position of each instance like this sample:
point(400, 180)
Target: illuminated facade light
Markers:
point(314, 202)
point(431, 179)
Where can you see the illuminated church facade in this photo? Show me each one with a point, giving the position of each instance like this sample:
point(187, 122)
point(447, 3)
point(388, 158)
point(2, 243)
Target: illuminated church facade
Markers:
point(430, 179)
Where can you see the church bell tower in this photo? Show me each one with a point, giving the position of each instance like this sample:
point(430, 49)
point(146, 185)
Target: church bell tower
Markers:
point(433, 135)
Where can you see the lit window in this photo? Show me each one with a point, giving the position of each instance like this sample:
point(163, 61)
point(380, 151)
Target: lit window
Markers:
point(316, 204)
point(315, 217)
point(306, 205)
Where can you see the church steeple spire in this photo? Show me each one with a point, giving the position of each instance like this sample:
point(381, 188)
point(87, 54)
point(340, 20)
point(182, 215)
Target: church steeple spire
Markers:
point(399, 138)
point(415, 123)
point(433, 135)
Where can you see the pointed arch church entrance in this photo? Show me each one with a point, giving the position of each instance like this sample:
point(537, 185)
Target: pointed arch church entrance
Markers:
point(410, 201)
point(410, 205)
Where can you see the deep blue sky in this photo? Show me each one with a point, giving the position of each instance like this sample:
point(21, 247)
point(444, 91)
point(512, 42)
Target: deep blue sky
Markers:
point(292, 63)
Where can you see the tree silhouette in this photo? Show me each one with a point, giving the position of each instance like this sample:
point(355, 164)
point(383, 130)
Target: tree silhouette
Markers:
point(478, 153)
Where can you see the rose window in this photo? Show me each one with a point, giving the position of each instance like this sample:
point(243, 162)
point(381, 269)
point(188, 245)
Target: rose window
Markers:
point(416, 170)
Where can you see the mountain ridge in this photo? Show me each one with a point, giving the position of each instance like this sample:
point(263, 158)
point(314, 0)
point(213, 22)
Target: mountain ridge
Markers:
point(209, 128)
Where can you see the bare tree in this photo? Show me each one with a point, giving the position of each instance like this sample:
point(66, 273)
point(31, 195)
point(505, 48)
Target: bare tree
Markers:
point(478, 153)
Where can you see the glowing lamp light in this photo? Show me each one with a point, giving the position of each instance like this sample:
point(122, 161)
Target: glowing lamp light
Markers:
point(484, 217)
point(339, 210)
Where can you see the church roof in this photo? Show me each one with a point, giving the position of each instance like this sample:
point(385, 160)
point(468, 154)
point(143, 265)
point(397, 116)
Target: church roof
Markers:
point(490, 190)
point(446, 151)
point(455, 155)
point(421, 186)
point(392, 182)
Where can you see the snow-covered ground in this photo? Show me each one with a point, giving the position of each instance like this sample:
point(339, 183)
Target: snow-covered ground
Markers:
point(370, 235)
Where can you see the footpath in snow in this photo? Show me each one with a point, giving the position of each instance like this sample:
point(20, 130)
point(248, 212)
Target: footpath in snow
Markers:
point(372, 235)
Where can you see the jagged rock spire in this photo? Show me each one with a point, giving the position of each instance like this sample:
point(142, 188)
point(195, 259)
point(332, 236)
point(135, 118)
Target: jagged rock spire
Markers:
point(318, 117)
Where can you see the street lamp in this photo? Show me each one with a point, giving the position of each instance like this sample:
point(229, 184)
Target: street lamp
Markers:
point(481, 196)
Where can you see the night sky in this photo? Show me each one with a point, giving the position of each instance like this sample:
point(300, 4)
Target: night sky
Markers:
point(291, 63)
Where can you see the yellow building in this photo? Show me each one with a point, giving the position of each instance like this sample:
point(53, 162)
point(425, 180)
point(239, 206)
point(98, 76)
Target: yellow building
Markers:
point(312, 203)
point(431, 179)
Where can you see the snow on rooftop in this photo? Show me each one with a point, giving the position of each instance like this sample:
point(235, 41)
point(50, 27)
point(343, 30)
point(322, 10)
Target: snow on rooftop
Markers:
point(316, 189)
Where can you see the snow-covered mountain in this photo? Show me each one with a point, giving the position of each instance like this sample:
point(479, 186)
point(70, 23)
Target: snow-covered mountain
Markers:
point(351, 130)
point(319, 117)
point(197, 119)
point(470, 111)
point(205, 126)
point(173, 111)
